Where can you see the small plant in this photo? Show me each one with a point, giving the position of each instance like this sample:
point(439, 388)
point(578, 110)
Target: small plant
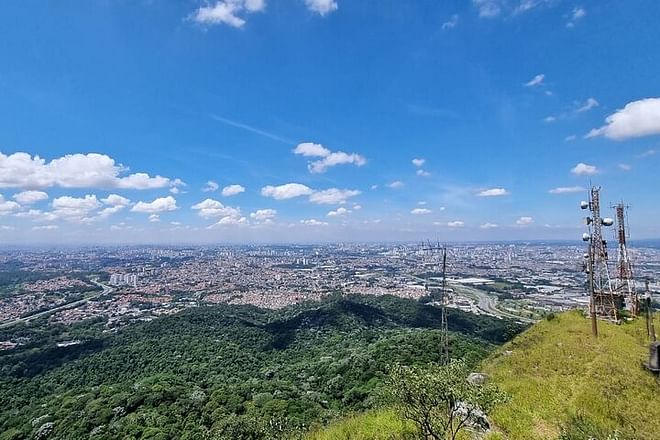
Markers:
point(550, 316)
point(440, 400)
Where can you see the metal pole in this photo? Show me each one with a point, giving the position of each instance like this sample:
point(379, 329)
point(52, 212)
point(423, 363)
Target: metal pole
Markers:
point(594, 321)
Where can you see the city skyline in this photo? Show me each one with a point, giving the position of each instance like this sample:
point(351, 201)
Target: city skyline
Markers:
point(243, 121)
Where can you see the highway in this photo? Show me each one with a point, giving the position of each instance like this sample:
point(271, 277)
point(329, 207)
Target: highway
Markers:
point(71, 305)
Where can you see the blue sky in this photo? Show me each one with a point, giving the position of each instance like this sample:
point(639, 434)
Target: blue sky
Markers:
point(312, 112)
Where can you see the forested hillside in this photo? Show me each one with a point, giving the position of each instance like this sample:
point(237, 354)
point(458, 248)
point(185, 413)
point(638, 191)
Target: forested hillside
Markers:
point(224, 371)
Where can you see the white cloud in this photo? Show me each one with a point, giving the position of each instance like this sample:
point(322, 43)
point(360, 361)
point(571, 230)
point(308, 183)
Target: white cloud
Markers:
point(263, 214)
point(333, 196)
point(339, 212)
point(647, 153)
point(229, 220)
point(636, 119)
point(357, 207)
point(524, 221)
point(577, 14)
point(116, 200)
point(328, 158)
point(396, 184)
point(451, 23)
point(7, 206)
point(570, 138)
point(20, 170)
point(313, 222)
point(488, 226)
point(549, 119)
point(232, 190)
point(582, 169)
point(423, 173)
point(588, 105)
point(493, 192)
point(162, 204)
point(154, 218)
point(74, 205)
point(310, 149)
point(420, 211)
point(566, 190)
point(418, 162)
point(210, 208)
point(488, 8)
point(456, 224)
point(210, 186)
point(322, 7)
point(227, 12)
point(45, 228)
point(286, 191)
point(30, 197)
point(624, 167)
point(536, 81)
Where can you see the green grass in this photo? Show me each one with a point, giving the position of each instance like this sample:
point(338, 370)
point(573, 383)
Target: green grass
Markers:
point(557, 373)
point(559, 378)
point(372, 425)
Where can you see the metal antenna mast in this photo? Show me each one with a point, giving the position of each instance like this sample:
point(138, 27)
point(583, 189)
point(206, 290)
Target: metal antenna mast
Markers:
point(603, 303)
point(624, 283)
point(444, 327)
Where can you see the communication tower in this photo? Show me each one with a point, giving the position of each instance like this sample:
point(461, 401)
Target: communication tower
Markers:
point(441, 296)
point(624, 284)
point(604, 302)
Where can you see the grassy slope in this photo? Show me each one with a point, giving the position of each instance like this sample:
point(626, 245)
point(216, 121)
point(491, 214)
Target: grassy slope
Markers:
point(555, 371)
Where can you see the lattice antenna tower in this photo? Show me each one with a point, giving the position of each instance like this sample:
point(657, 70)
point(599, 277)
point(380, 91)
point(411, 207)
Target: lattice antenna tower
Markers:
point(624, 284)
point(441, 251)
point(603, 302)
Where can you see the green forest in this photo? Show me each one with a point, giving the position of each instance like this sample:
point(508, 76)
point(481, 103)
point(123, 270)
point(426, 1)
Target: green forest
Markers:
point(224, 372)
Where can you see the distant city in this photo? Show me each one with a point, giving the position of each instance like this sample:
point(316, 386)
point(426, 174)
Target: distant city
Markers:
point(524, 281)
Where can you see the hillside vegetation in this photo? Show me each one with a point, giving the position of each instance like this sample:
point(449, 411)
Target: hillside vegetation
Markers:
point(223, 372)
point(563, 384)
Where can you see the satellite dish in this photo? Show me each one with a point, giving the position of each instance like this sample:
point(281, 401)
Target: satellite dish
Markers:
point(607, 221)
point(584, 205)
point(586, 237)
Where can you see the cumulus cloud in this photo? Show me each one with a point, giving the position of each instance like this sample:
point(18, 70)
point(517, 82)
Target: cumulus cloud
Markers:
point(45, 228)
point(162, 204)
point(8, 206)
point(582, 169)
point(456, 224)
point(333, 196)
point(341, 211)
point(229, 220)
point(396, 184)
point(624, 167)
point(536, 81)
point(418, 162)
point(21, 170)
point(286, 191)
point(636, 119)
point(154, 218)
point(313, 222)
point(261, 215)
point(232, 190)
point(493, 192)
point(420, 211)
point(210, 186)
point(116, 200)
point(328, 158)
point(524, 221)
point(488, 226)
point(322, 7)
point(210, 208)
point(75, 209)
point(566, 190)
point(30, 197)
point(229, 12)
